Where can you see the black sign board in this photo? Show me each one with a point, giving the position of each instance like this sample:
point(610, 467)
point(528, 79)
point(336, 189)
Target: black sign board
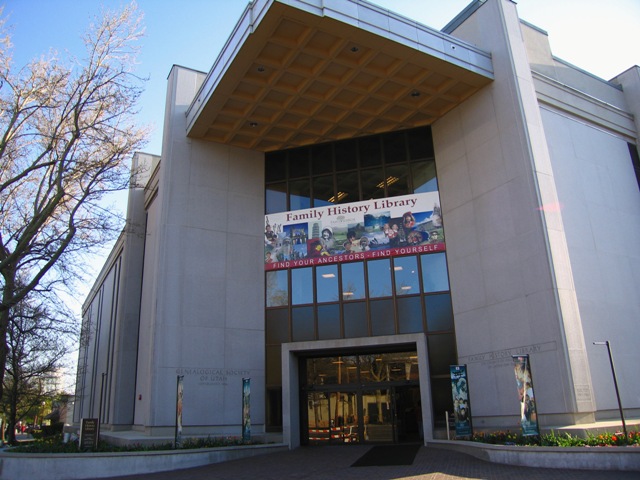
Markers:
point(89, 433)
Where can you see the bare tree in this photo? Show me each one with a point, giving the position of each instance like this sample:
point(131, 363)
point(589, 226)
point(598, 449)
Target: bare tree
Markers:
point(38, 338)
point(66, 135)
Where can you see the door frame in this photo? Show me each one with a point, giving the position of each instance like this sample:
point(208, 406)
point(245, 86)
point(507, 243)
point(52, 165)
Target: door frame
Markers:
point(291, 388)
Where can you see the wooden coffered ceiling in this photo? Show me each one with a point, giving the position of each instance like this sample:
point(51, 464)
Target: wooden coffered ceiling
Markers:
point(298, 78)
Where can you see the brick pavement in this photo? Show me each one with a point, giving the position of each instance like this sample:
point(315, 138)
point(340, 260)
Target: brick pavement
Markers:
point(317, 463)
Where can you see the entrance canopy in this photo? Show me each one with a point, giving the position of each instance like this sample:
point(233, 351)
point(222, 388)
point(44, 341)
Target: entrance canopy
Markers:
point(302, 72)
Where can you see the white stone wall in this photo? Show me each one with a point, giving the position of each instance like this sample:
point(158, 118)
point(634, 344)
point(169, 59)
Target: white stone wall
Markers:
point(96, 348)
point(203, 298)
point(510, 274)
point(599, 197)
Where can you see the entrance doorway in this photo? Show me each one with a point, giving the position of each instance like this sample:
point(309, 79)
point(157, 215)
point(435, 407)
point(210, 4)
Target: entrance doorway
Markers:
point(360, 399)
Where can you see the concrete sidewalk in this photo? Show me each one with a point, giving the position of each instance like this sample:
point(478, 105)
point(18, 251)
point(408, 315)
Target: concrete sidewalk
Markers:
point(335, 463)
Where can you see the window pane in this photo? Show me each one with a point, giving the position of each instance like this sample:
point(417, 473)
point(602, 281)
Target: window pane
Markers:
point(299, 162)
point(277, 288)
point(355, 320)
point(321, 159)
point(402, 365)
point(301, 286)
point(299, 195)
point(373, 368)
point(346, 155)
point(442, 399)
point(353, 281)
point(409, 315)
point(348, 190)
point(302, 324)
point(274, 365)
point(276, 198)
point(322, 190)
point(424, 177)
point(327, 283)
point(397, 180)
point(434, 273)
point(442, 353)
point(370, 153)
point(328, 321)
point(379, 276)
point(405, 270)
point(382, 320)
point(372, 183)
point(394, 147)
point(420, 143)
point(332, 370)
point(275, 167)
point(439, 312)
point(277, 326)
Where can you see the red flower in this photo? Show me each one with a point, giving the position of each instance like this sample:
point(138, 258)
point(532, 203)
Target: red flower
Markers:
point(614, 438)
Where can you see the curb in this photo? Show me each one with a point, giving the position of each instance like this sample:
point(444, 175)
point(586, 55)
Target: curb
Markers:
point(576, 458)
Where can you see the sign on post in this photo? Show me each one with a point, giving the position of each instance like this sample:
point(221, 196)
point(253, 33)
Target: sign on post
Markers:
point(89, 433)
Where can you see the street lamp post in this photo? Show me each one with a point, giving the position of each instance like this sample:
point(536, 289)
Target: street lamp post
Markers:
point(615, 384)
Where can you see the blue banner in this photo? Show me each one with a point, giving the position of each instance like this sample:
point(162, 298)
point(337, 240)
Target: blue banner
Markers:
point(461, 404)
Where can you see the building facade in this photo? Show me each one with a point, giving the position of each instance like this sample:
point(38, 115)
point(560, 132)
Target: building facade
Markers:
point(349, 203)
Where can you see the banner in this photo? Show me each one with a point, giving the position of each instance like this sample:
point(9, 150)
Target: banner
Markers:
point(354, 231)
point(179, 397)
point(246, 410)
point(461, 404)
point(524, 380)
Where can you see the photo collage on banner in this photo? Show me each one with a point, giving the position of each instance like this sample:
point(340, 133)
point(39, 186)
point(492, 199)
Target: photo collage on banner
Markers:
point(528, 415)
point(461, 404)
point(355, 231)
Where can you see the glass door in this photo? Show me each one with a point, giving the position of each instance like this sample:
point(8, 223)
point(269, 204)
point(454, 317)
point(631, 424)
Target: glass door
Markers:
point(319, 419)
point(364, 398)
point(332, 417)
point(379, 416)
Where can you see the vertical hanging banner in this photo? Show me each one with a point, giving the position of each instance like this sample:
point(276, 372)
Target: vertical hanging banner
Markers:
point(461, 405)
point(246, 410)
point(179, 397)
point(524, 380)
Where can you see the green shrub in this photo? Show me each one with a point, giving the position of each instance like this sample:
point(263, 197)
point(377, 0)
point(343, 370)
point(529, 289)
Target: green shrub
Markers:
point(554, 439)
point(54, 444)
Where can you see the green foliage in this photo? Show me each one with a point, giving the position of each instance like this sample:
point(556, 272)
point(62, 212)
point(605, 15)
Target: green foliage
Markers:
point(214, 442)
point(54, 444)
point(505, 438)
point(554, 439)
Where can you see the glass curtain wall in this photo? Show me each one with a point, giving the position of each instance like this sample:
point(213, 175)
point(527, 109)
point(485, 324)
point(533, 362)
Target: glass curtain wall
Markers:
point(374, 297)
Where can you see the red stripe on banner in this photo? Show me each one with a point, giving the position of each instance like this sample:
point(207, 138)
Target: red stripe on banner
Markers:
point(350, 257)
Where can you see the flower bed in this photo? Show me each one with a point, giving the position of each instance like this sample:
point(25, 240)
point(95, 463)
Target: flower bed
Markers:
point(559, 440)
